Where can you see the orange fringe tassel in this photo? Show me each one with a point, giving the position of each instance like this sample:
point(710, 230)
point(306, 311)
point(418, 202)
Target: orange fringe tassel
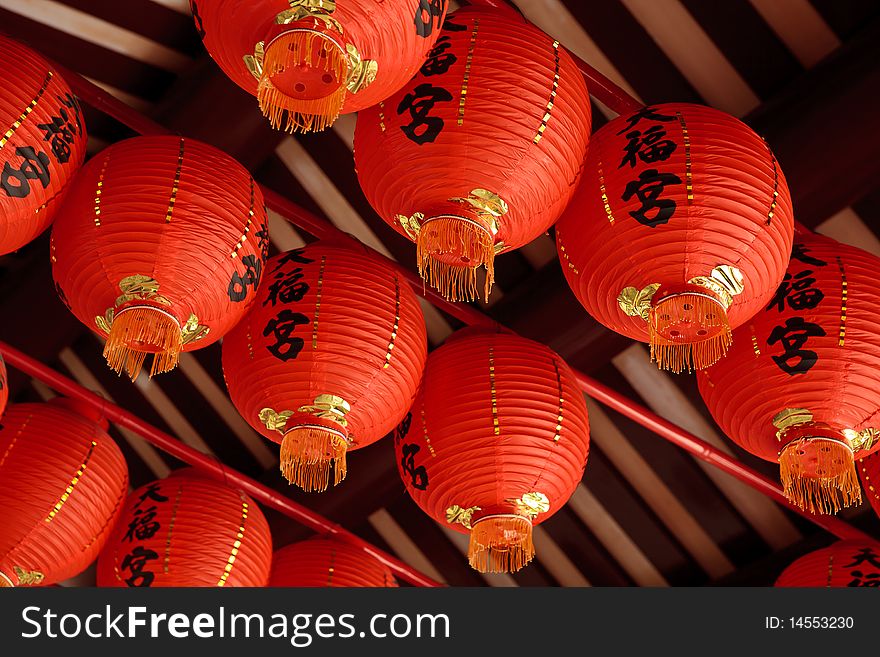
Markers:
point(307, 454)
point(833, 485)
point(140, 330)
point(469, 242)
point(671, 349)
point(303, 115)
point(501, 544)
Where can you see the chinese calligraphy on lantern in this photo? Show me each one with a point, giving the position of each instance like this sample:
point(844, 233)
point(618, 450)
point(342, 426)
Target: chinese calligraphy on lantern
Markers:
point(287, 287)
point(143, 526)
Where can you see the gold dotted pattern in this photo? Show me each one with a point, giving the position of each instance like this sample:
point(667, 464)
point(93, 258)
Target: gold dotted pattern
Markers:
point(568, 262)
point(27, 110)
point(382, 115)
point(561, 402)
point(176, 186)
point(99, 192)
point(171, 529)
point(332, 568)
point(866, 480)
point(495, 423)
point(467, 71)
point(830, 569)
point(553, 90)
point(775, 184)
point(689, 182)
point(236, 545)
point(396, 321)
point(755, 344)
point(425, 434)
point(604, 193)
point(247, 225)
point(843, 292)
point(73, 482)
point(318, 303)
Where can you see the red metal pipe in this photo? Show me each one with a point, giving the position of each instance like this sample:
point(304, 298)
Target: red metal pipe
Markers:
point(97, 97)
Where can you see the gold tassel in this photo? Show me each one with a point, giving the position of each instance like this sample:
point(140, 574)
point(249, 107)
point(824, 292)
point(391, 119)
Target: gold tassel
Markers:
point(501, 544)
point(301, 48)
point(830, 486)
point(308, 452)
point(140, 330)
point(688, 332)
point(467, 243)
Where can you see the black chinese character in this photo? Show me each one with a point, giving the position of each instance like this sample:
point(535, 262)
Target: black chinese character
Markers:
point(402, 429)
point(418, 475)
point(263, 243)
point(238, 285)
point(870, 579)
point(295, 256)
point(288, 287)
point(428, 14)
point(648, 146)
point(420, 102)
point(438, 60)
point(282, 328)
point(647, 189)
point(647, 113)
point(152, 493)
point(143, 525)
point(798, 291)
point(793, 336)
point(61, 133)
point(865, 555)
point(70, 102)
point(34, 167)
point(799, 252)
point(135, 562)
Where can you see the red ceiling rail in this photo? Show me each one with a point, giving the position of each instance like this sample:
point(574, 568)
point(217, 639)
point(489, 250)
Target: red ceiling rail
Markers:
point(99, 99)
point(184, 452)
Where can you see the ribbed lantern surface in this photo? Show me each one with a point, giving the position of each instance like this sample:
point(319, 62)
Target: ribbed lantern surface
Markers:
point(495, 443)
point(845, 563)
point(64, 483)
point(328, 360)
point(679, 232)
point(869, 474)
point(480, 152)
point(160, 246)
point(42, 143)
point(324, 562)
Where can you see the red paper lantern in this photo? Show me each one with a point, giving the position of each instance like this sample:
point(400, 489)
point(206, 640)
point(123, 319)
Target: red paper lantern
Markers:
point(869, 473)
point(160, 246)
point(328, 360)
point(481, 151)
point(187, 530)
point(4, 386)
point(43, 145)
point(325, 562)
point(801, 384)
point(64, 481)
point(308, 60)
point(496, 442)
point(679, 232)
point(845, 563)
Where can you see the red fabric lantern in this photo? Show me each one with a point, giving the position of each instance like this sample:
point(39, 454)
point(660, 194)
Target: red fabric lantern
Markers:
point(679, 232)
point(159, 246)
point(496, 442)
point(869, 473)
point(481, 151)
point(64, 481)
point(42, 143)
point(325, 562)
point(187, 530)
point(309, 60)
point(801, 384)
point(4, 386)
point(328, 360)
point(845, 563)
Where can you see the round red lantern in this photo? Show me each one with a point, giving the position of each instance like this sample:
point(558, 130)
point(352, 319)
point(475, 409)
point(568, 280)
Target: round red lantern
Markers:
point(481, 151)
point(679, 232)
point(308, 60)
point(869, 473)
point(801, 384)
point(845, 563)
point(328, 360)
point(43, 145)
point(326, 562)
point(159, 247)
point(496, 442)
point(64, 481)
point(187, 530)
point(4, 386)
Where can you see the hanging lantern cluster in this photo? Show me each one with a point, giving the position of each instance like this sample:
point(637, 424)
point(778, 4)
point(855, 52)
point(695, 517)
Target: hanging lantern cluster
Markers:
point(329, 359)
point(845, 563)
point(43, 145)
point(64, 482)
point(679, 232)
point(869, 473)
point(326, 562)
point(801, 385)
point(481, 151)
point(307, 61)
point(495, 443)
point(187, 530)
point(159, 247)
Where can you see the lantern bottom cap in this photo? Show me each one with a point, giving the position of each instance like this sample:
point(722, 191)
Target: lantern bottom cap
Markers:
point(309, 452)
point(302, 87)
point(818, 475)
point(140, 330)
point(5, 581)
point(450, 250)
point(501, 544)
point(688, 331)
